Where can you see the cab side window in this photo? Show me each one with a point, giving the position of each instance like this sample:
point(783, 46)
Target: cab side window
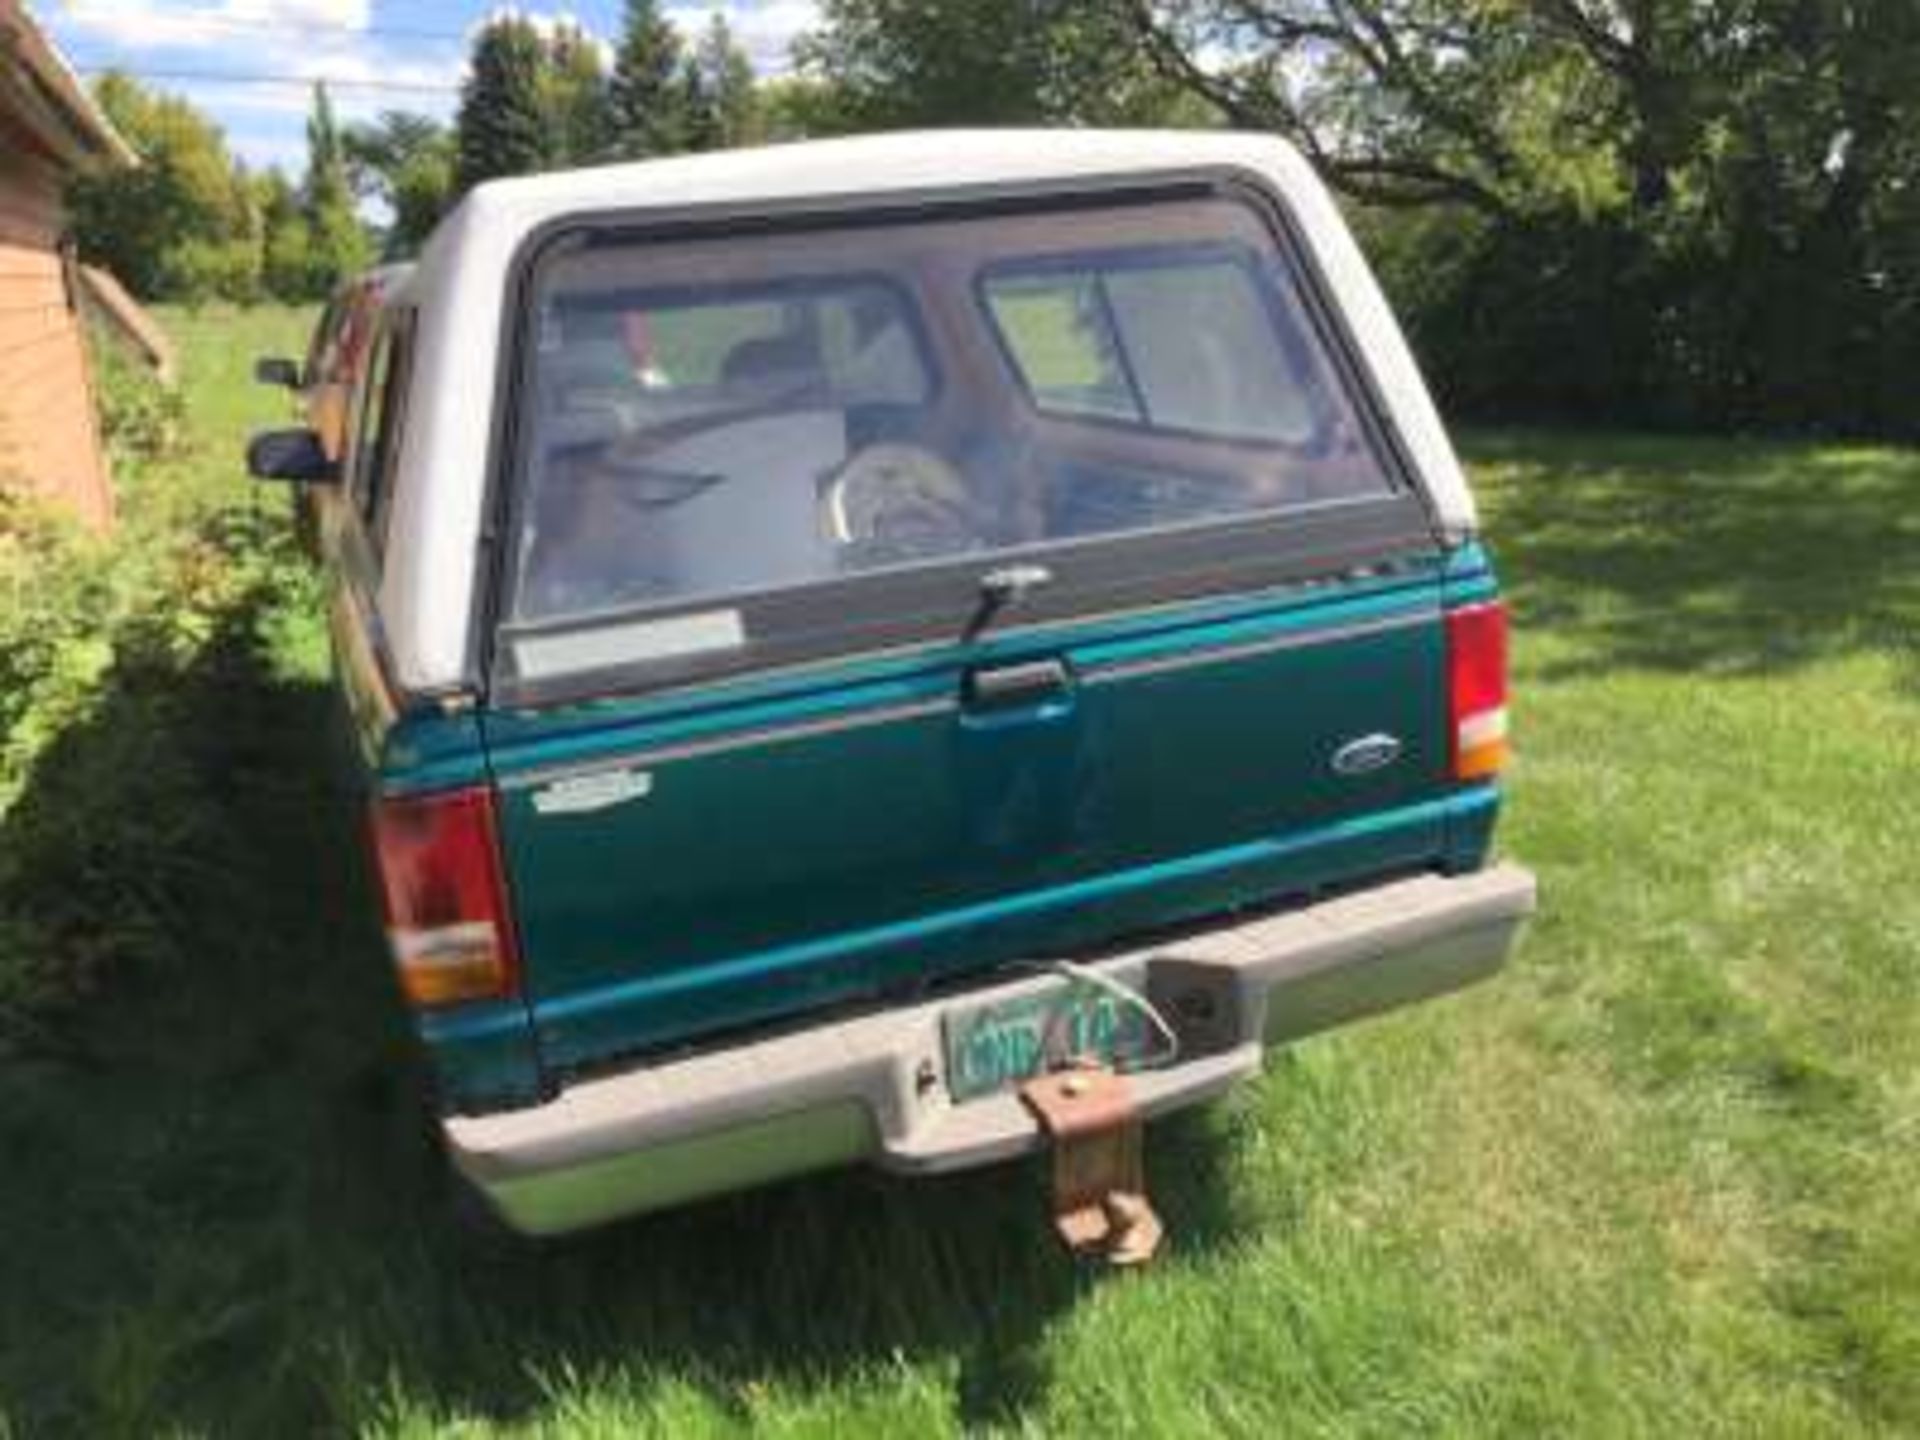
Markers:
point(381, 415)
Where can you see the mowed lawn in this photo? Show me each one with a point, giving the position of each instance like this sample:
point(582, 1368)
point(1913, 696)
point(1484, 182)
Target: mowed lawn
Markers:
point(1661, 1176)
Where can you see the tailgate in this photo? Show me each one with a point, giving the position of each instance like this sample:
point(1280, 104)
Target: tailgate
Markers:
point(684, 868)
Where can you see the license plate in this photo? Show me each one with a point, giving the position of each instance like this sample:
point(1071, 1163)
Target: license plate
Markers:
point(995, 1046)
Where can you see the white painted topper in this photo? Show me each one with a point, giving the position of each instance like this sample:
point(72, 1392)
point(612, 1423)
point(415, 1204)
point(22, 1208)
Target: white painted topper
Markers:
point(458, 286)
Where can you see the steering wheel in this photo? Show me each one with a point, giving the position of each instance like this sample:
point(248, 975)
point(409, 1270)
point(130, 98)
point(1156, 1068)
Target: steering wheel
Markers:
point(902, 502)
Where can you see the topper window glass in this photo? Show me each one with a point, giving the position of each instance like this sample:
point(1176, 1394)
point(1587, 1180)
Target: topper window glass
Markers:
point(1155, 338)
point(746, 416)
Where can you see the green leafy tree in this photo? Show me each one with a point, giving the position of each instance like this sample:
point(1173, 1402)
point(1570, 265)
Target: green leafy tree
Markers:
point(1681, 211)
point(235, 269)
point(166, 227)
point(721, 106)
point(647, 93)
point(893, 63)
point(502, 124)
point(286, 262)
point(804, 106)
point(405, 162)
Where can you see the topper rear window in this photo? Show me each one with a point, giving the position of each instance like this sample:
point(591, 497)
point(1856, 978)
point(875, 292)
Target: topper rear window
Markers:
point(745, 418)
point(1163, 337)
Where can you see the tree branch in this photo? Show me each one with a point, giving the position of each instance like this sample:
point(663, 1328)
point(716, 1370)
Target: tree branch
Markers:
point(1380, 178)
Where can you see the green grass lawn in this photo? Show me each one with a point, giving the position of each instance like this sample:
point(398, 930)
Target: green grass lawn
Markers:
point(1660, 1176)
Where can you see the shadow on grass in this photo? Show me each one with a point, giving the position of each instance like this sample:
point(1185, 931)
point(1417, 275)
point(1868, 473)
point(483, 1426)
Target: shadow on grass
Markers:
point(220, 1212)
point(1717, 557)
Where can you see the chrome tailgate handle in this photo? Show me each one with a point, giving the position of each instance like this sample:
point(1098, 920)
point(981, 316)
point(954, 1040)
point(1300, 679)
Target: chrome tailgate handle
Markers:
point(1019, 686)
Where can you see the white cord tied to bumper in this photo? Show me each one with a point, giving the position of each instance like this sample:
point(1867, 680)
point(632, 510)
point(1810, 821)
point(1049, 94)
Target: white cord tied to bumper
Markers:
point(1128, 996)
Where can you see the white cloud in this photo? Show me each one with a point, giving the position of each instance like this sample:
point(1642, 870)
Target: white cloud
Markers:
point(764, 28)
point(149, 25)
point(341, 40)
point(292, 41)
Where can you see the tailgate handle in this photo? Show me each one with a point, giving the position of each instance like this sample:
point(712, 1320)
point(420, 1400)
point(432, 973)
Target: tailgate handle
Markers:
point(1022, 686)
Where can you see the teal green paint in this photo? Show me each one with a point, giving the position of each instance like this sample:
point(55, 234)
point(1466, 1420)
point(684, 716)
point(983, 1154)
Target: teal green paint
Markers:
point(961, 840)
point(1468, 575)
point(429, 750)
point(1470, 824)
point(483, 1055)
point(754, 987)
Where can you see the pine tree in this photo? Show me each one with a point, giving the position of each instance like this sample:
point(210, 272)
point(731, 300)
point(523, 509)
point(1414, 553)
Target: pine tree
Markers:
point(647, 92)
point(502, 126)
point(337, 243)
point(576, 97)
point(326, 157)
point(718, 83)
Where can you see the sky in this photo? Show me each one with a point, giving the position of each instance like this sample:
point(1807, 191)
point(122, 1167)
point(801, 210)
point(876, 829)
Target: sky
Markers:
point(375, 54)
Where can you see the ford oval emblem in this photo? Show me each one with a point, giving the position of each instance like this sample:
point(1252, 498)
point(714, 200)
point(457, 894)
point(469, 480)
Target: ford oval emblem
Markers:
point(1367, 754)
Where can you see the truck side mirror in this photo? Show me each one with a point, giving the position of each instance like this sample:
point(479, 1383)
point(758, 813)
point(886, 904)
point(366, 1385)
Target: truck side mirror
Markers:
point(277, 370)
point(291, 455)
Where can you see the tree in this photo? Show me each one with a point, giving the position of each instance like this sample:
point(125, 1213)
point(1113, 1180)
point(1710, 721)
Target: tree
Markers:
point(164, 227)
point(337, 243)
point(894, 63)
point(502, 124)
point(1687, 211)
point(242, 271)
point(1404, 101)
point(405, 162)
point(647, 93)
point(376, 150)
point(286, 263)
point(721, 105)
point(580, 122)
point(802, 107)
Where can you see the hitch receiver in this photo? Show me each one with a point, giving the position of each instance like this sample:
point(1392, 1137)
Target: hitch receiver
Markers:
point(1100, 1206)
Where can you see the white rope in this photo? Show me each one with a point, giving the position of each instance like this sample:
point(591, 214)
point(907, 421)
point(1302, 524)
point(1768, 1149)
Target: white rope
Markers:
point(1127, 995)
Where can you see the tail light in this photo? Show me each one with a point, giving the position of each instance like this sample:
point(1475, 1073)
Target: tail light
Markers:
point(439, 861)
point(1477, 689)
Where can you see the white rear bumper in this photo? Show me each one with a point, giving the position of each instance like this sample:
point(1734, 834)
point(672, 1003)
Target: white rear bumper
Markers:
point(873, 1088)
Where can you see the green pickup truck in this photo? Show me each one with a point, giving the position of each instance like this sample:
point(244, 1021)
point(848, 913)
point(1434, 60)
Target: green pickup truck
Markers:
point(836, 632)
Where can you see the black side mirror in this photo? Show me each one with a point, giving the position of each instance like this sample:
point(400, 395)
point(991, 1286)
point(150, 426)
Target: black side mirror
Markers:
point(291, 455)
point(277, 370)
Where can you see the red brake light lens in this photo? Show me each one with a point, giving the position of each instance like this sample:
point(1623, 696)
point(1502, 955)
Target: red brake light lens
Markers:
point(1477, 689)
point(439, 862)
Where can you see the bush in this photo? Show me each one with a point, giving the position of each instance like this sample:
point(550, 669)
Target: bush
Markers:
point(55, 596)
point(141, 419)
point(1597, 322)
point(108, 647)
point(198, 271)
point(103, 645)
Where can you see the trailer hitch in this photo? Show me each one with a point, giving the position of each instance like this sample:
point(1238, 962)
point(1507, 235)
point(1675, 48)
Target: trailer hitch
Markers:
point(1100, 1206)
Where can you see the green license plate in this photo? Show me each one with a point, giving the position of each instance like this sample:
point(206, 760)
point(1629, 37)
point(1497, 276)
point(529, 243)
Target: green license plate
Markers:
point(995, 1046)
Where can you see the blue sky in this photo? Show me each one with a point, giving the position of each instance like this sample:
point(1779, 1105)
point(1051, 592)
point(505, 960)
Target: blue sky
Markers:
point(362, 45)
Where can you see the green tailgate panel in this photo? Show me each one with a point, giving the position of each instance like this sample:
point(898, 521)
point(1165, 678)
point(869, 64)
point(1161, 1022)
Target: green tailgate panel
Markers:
point(686, 864)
